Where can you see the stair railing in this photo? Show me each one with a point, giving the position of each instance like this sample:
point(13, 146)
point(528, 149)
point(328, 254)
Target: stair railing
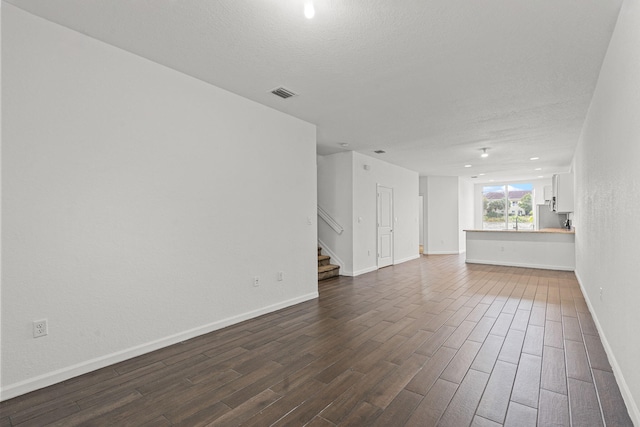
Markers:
point(329, 220)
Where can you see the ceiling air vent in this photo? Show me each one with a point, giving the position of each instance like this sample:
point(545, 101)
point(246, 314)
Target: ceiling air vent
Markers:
point(379, 151)
point(283, 92)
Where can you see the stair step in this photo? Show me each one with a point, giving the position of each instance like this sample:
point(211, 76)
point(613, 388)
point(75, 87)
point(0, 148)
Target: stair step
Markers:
point(319, 251)
point(323, 260)
point(328, 271)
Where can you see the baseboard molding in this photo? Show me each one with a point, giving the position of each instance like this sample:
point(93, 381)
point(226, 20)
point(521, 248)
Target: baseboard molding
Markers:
point(45, 380)
point(441, 253)
point(364, 270)
point(410, 258)
point(375, 267)
point(520, 264)
point(634, 412)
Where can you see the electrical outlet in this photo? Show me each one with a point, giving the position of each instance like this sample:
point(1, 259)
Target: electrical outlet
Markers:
point(40, 328)
point(256, 281)
point(280, 276)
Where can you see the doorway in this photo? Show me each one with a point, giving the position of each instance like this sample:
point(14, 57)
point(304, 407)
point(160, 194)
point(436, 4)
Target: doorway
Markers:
point(420, 224)
point(385, 226)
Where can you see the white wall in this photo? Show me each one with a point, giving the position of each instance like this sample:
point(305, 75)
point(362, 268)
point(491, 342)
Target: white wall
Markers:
point(405, 211)
point(448, 209)
point(138, 204)
point(423, 190)
point(607, 177)
point(465, 211)
point(441, 209)
point(348, 193)
point(335, 193)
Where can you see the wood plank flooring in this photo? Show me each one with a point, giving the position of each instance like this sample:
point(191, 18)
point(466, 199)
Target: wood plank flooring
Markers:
point(429, 342)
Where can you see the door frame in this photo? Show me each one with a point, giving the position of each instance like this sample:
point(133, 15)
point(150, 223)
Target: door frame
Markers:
point(378, 186)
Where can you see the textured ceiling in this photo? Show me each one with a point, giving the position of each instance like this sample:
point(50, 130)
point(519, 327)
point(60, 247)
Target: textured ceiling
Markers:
point(430, 82)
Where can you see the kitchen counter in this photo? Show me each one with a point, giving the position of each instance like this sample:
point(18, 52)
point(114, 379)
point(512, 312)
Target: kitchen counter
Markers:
point(544, 230)
point(551, 248)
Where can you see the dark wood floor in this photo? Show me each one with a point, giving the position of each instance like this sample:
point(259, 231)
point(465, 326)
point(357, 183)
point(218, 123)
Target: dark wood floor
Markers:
point(431, 341)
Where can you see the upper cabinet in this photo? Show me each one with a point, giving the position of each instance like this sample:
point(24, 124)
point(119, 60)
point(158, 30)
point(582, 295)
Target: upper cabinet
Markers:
point(562, 200)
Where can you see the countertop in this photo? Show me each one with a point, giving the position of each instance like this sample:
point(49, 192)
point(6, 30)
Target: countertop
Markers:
point(544, 230)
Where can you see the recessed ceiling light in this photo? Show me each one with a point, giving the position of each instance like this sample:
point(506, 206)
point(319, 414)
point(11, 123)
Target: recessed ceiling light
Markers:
point(343, 144)
point(482, 174)
point(540, 176)
point(467, 166)
point(484, 153)
point(309, 11)
point(537, 169)
point(491, 180)
point(534, 158)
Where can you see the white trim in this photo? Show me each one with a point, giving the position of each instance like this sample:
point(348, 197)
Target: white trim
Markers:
point(335, 259)
point(441, 253)
point(375, 267)
point(330, 220)
point(365, 270)
point(521, 264)
point(410, 258)
point(632, 408)
point(45, 380)
point(393, 225)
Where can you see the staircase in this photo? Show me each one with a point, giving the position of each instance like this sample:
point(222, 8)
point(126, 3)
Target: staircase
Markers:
point(325, 269)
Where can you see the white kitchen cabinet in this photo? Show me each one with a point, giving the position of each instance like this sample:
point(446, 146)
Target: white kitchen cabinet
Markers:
point(562, 193)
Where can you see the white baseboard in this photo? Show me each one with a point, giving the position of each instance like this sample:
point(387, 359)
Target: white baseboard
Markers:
point(45, 380)
point(365, 270)
point(441, 253)
point(634, 412)
point(520, 264)
point(410, 258)
point(375, 267)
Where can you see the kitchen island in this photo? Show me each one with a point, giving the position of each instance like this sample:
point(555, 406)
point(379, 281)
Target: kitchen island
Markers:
point(550, 248)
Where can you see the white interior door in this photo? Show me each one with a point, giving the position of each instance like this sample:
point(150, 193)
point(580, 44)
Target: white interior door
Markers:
point(385, 226)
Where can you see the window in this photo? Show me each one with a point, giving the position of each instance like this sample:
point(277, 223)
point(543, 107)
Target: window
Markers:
point(507, 207)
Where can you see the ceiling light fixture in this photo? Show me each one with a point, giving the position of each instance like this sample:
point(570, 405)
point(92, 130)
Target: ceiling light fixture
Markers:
point(309, 11)
point(534, 158)
point(344, 144)
point(467, 166)
point(537, 169)
point(484, 153)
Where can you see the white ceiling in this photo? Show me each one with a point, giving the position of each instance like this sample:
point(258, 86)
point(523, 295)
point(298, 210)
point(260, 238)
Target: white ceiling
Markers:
point(430, 82)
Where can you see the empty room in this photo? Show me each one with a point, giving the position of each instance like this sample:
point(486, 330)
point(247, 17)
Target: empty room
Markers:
point(322, 213)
